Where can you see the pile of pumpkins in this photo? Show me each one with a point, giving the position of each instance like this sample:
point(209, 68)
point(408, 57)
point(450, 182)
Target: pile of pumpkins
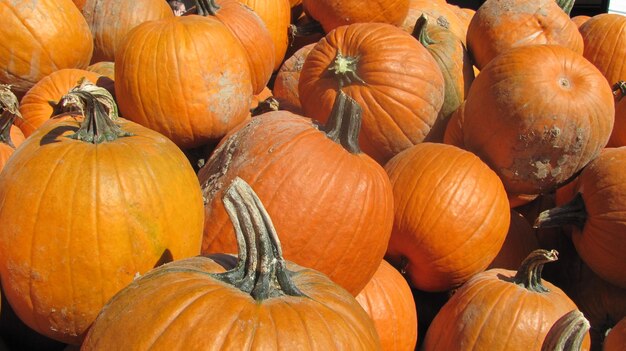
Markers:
point(312, 175)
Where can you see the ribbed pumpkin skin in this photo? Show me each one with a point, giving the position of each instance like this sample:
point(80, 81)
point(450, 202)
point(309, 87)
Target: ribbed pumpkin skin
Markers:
point(35, 105)
point(507, 316)
point(104, 68)
point(536, 128)
point(616, 338)
point(110, 20)
point(85, 219)
point(404, 86)
point(500, 25)
point(287, 78)
point(602, 242)
point(193, 94)
point(388, 300)
point(192, 315)
point(454, 128)
point(604, 37)
point(332, 14)
point(41, 37)
point(439, 13)
point(451, 215)
point(332, 209)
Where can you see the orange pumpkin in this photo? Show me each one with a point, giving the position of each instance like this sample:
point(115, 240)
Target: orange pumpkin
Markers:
point(439, 13)
point(41, 37)
point(259, 301)
point(451, 215)
point(134, 202)
point(616, 338)
point(519, 243)
point(287, 78)
point(390, 75)
point(103, 68)
point(618, 135)
point(332, 14)
point(604, 38)
point(454, 132)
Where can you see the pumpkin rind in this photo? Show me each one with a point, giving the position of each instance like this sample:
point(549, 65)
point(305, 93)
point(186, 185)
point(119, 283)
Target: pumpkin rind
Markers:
point(333, 14)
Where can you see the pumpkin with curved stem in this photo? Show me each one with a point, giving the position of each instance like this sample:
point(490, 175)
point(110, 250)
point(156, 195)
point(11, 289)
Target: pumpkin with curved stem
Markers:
point(569, 333)
point(343, 198)
point(451, 215)
point(485, 313)
point(597, 214)
point(388, 299)
point(545, 124)
point(39, 38)
point(332, 14)
point(439, 14)
point(110, 20)
point(134, 202)
point(193, 106)
point(381, 67)
point(260, 302)
point(501, 25)
point(616, 338)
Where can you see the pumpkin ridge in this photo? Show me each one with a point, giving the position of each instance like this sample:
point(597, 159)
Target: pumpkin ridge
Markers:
point(186, 116)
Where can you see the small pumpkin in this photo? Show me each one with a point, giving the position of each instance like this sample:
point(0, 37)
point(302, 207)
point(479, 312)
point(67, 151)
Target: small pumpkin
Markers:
point(287, 78)
point(258, 301)
point(616, 337)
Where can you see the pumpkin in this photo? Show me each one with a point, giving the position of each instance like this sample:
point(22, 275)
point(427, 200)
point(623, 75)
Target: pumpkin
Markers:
point(39, 103)
point(618, 135)
point(332, 14)
point(439, 13)
point(110, 21)
point(193, 94)
point(332, 202)
point(41, 37)
point(500, 25)
point(252, 34)
point(10, 136)
point(260, 301)
point(453, 134)
point(103, 68)
point(568, 333)
point(580, 19)
point(519, 242)
point(597, 214)
point(451, 215)
point(604, 38)
point(388, 300)
point(134, 202)
point(287, 78)
point(500, 309)
point(391, 76)
point(616, 338)
point(544, 124)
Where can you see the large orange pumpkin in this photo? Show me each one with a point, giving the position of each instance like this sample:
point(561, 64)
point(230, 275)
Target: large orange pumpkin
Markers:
point(97, 202)
point(262, 301)
point(41, 37)
point(604, 38)
point(332, 203)
point(332, 14)
point(390, 75)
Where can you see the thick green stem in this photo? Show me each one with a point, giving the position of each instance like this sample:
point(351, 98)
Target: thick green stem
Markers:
point(572, 213)
point(566, 5)
point(345, 68)
point(529, 273)
point(420, 33)
point(261, 270)
point(9, 111)
point(344, 123)
point(567, 333)
point(99, 110)
point(206, 7)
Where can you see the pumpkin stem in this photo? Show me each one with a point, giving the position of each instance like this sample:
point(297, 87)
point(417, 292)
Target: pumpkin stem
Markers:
point(304, 30)
point(567, 333)
point(420, 33)
point(99, 110)
point(8, 112)
point(261, 270)
point(572, 213)
point(529, 273)
point(619, 90)
point(344, 123)
point(566, 5)
point(345, 68)
point(206, 7)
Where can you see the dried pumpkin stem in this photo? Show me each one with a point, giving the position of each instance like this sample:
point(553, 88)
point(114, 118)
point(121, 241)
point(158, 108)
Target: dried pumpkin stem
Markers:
point(304, 30)
point(529, 273)
point(420, 33)
point(206, 7)
point(567, 333)
point(344, 123)
point(345, 68)
point(566, 5)
point(619, 90)
point(261, 270)
point(9, 110)
point(572, 213)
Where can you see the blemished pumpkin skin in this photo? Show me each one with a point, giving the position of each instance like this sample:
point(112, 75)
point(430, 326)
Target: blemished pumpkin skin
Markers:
point(438, 13)
point(110, 20)
point(287, 78)
point(486, 313)
point(276, 15)
point(537, 128)
point(604, 38)
point(388, 300)
point(597, 213)
point(500, 25)
point(263, 303)
point(41, 37)
point(616, 338)
point(451, 215)
point(134, 203)
point(391, 76)
point(36, 105)
point(193, 94)
point(332, 14)
point(618, 135)
point(332, 203)
point(252, 34)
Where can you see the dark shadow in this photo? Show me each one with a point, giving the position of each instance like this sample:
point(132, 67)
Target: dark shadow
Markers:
point(53, 135)
point(166, 257)
point(227, 261)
